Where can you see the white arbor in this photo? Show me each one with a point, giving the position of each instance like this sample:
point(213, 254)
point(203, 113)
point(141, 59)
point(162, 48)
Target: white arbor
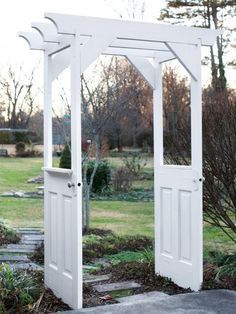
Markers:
point(76, 41)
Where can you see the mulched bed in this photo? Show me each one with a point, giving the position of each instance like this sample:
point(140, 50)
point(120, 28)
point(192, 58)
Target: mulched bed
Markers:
point(93, 298)
point(144, 274)
point(49, 303)
point(210, 282)
point(38, 255)
point(114, 244)
point(98, 232)
point(109, 244)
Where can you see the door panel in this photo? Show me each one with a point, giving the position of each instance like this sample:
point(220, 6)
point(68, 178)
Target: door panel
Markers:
point(60, 244)
point(179, 225)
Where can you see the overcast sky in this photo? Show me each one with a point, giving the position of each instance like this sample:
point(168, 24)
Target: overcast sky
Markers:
point(17, 15)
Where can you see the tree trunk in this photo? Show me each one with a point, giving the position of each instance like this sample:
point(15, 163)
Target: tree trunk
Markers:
point(87, 207)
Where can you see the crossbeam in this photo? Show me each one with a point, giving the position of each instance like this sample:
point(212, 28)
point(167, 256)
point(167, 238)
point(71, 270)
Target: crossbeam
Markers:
point(132, 30)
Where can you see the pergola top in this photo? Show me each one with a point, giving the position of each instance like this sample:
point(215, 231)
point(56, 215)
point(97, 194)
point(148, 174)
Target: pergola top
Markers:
point(140, 42)
point(143, 36)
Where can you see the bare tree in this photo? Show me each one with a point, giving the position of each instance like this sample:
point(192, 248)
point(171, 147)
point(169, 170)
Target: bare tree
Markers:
point(18, 93)
point(219, 149)
point(2, 118)
point(131, 9)
point(36, 124)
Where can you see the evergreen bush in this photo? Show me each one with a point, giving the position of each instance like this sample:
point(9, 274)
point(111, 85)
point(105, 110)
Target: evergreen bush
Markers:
point(102, 176)
point(65, 160)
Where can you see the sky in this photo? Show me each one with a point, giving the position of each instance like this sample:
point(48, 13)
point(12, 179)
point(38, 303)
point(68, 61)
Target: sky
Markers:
point(17, 15)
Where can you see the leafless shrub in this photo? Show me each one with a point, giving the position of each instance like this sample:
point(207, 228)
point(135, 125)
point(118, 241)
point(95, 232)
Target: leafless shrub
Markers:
point(122, 180)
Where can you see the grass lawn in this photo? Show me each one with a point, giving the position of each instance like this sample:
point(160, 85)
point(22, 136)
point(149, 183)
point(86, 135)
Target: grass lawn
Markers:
point(19, 212)
point(122, 217)
point(14, 173)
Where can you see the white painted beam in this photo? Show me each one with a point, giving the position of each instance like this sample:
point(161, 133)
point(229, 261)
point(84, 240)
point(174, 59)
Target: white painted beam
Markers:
point(163, 56)
point(187, 56)
point(145, 68)
point(95, 46)
point(68, 24)
point(34, 40)
point(60, 62)
point(129, 52)
point(47, 30)
point(139, 44)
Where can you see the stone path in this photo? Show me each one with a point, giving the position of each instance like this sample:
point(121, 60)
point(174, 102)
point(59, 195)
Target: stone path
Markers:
point(204, 302)
point(125, 285)
point(16, 255)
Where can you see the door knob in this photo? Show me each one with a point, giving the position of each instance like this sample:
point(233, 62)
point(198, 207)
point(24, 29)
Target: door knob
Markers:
point(70, 185)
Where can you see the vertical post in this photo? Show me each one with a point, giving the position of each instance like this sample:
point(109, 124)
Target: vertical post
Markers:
point(158, 148)
point(196, 156)
point(77, 169)
point(47, 117)
point(47, 137)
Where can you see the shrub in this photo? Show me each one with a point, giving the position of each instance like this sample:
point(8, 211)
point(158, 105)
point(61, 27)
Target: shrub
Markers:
point(21, 137)
point(18, 289)
point(102, 176)
point(122, 180)
point(7, 235)
point(22, 152)
point(20, 148)
point(219, 147)
point(65, 160)
point(134, 163)
point(5, 137)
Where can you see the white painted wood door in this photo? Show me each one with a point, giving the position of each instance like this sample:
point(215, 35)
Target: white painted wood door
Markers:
point(178, 201)
point(63, 194)
point(61, 262)
point(179, 226)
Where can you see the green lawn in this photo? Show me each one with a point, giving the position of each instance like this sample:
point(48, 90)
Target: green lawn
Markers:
point(14, 173)
point(122, 217)
point(18, 212)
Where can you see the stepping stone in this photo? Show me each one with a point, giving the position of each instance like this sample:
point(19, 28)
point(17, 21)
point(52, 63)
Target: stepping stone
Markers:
point(32, 237)
point(29, 231)
point(21, 246)
point(13, 258)
point(16, 250)
point(125, 285)
point(102, 261)
point(153, 295)
point(29, 242)
point(87, 278)
point(89, 267)
point(31, 266)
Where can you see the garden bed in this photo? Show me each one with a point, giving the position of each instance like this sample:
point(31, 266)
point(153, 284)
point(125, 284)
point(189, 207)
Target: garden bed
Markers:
point(7, 235)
